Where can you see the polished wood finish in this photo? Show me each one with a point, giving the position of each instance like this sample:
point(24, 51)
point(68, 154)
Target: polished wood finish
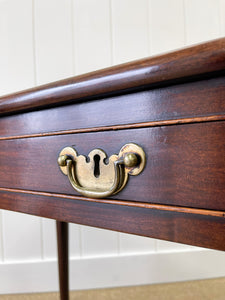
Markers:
point(63, 259)
point(172, 105)
point(203, 98)
point(121, 127)
point(177, 171)
point(187, 210)
point(177, 66)
point(193, 229)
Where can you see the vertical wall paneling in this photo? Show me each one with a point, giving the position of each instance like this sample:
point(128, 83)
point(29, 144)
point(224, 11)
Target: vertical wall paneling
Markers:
point(98, 242)
point(132, 244)
point(16, 47)
point(129, 29)
point(92, 45)
point(130, 41)
point(92, 35)
point(202, 20)
point(75, 241)
point(17, 73)
point(164, 246)
point(21, 237)
point(49, 239)
point(166, 25)
point(222, 17)
point(53, 39)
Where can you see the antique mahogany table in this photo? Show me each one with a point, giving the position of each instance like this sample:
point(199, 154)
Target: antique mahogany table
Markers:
point(163, 117)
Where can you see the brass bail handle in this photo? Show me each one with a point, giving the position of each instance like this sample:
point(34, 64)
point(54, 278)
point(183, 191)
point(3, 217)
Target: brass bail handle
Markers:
point(94, 178)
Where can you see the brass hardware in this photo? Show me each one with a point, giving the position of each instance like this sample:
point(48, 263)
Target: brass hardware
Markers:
point(96, 179)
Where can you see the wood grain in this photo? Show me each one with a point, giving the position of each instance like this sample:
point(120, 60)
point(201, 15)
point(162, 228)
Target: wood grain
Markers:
point(185, 164)
point(198, 99)
point(198, 230)
point(121, 127)
point(181, 65)
point(172, 105)
point(186, 210)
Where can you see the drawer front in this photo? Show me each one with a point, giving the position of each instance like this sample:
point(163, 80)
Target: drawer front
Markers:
point(185, 163)
point(198, 99)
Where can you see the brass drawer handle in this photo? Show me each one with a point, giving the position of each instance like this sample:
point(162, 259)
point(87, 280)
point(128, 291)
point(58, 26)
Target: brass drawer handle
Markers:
point(95, 178)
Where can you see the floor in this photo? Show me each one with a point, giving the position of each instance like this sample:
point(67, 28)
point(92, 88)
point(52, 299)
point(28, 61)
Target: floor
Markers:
point(213, 289)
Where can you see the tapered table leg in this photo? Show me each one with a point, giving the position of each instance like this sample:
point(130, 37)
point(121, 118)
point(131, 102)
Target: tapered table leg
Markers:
point(62, 242)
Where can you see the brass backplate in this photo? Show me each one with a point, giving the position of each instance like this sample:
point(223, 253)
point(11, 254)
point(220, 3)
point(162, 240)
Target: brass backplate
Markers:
point(95, 172)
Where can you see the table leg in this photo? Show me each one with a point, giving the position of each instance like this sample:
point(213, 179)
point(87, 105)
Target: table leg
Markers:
point(62, 242)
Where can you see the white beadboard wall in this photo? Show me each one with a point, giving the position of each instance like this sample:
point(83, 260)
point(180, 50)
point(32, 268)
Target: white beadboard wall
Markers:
point(46, 40)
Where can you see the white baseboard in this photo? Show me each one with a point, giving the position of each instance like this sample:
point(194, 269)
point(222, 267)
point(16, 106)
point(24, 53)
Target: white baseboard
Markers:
point(101, 272)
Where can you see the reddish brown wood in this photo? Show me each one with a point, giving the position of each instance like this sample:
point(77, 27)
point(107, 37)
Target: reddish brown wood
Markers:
point(63, 259)
point(172, 105)
point(198, 230)
point(185, 163)
point(179, 196)
point(187, 210)
point(181, 65)
point(198, 99)
point(121, 127)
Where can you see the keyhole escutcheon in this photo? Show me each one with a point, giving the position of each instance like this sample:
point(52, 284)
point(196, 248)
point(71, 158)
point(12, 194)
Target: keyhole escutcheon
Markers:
point(96, 165)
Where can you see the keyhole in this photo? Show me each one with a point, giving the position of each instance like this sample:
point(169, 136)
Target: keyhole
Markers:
point(96, 167)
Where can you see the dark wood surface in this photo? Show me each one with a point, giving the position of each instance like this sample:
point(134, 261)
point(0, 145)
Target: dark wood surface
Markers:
point(162, 207)
point(179, 66)
point(177, 102)
point(193, 229)
point(172, 105)
point(185, 163)
point(63, 255)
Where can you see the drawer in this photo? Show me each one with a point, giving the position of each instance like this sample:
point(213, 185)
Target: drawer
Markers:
point(184, 167)
point(192, 100)
point(171, 105)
